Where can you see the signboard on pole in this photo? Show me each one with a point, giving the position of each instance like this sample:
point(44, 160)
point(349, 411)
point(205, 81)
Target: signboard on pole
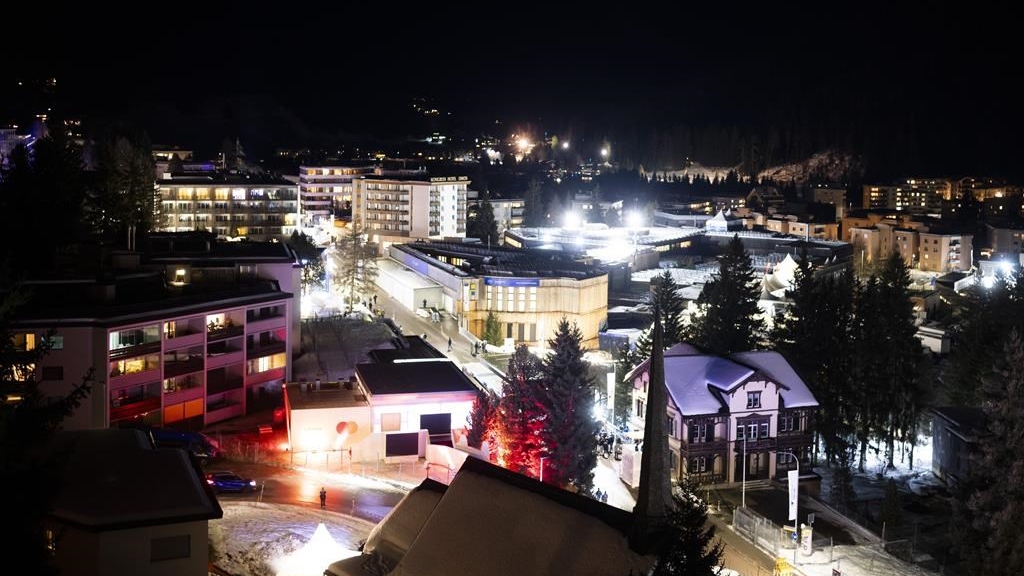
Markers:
point(794, 482)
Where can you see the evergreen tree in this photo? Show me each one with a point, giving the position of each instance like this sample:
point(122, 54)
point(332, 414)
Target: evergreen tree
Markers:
point(690, 548)
point(481, 417)
point(26, 426)
point(728, 319)
point(902, 382)
point(481, 224)
point(123, 199)
point(534, 206)
point(354, 263)
point(665, 297)
point(814, 336)
point(44, 188)
point(310, 257)
point(570, 436)
point(492, 329)
point(520, 415)
point(990, 501)
point(622, 404)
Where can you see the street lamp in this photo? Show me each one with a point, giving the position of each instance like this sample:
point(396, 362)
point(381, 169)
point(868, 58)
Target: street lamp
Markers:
point(796, 502)
point(743, 491)
point(542, 459)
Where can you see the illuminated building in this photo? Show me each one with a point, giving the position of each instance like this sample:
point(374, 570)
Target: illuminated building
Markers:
point(529, 291)
point(913, 195)
point(325, 190)
point(719, 404)
point(169, 342)
point(256, 207)
point(401, 209)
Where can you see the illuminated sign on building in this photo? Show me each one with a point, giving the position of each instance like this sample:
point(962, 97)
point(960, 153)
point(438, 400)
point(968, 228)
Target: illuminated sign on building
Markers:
point(514, 282)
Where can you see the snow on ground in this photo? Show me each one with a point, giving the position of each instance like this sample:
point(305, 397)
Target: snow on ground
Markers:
point(259, 539)
point(915, 476)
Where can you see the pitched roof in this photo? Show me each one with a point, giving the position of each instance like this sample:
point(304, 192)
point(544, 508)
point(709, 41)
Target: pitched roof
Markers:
point(697, 383)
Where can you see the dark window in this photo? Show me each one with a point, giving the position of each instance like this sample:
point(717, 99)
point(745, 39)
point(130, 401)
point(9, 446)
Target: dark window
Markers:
point(170, 548)
point(753, 400)
point(53, 373)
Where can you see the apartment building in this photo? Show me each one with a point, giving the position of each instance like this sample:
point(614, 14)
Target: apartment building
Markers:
point(326, 190)
point(728, 415)
point(255, 207)
point(395, 210)
point(912, 195)
point(191, 331)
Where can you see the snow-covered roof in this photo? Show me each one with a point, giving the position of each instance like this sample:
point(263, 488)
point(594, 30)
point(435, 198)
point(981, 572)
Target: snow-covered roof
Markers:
point(697, 382)
point(794, 392)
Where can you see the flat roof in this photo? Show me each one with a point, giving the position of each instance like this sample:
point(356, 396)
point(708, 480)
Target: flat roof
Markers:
point(480, 260)
point(307, 395)
point(415, 377)
point(202, 247)
point(407, 275)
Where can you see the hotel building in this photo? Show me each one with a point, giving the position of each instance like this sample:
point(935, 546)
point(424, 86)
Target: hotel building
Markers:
point(256, 207)
point(395, 210)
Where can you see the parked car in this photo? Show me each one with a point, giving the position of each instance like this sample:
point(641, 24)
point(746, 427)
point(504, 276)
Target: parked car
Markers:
point(230, 482)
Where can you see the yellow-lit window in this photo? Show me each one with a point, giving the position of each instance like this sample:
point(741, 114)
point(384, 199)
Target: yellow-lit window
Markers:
point(24, 342)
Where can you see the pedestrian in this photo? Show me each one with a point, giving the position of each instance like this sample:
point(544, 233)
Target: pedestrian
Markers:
point(323, 498)
point(449, 343)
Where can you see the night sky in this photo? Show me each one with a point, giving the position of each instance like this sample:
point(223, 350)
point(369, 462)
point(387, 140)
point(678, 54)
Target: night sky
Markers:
point(188, 69)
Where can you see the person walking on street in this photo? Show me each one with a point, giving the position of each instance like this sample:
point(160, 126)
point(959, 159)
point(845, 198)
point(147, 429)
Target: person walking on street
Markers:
point(323, 498)
point(449, 343)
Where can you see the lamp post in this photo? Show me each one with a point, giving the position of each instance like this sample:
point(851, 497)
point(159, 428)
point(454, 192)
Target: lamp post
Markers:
point(743, 491)
point(542, 459)
point(796, 502)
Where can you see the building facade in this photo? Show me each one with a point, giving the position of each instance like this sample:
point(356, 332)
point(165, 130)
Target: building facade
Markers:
point(160, 355)
point(229, 205)
point(529, 291)
point(326, 190)
point(399, 210)
point(729, 415)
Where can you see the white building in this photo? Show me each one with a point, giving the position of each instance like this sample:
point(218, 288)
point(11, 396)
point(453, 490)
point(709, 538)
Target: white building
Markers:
point(400, 210)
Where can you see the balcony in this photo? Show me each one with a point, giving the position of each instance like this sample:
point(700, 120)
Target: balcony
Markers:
point(260, 349)
point(128, 410)
point(217, 382)
point(220, 332)
point(710, 447)
point(180, 367)
point(137, 350)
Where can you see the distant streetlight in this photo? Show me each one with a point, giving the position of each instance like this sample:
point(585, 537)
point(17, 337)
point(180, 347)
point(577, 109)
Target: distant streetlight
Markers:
point(743, 492)
point(604, 152)
point(634, 219)
point(572, 221)
point(565, 145)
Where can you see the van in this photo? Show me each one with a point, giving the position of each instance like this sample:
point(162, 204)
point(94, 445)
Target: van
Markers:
point(199, 445)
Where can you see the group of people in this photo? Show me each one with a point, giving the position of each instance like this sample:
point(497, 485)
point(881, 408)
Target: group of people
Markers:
point(601, 496)
point(606, 444)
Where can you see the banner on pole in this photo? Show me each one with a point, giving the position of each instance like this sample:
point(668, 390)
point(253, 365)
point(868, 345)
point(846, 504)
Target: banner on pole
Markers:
point(794, 483)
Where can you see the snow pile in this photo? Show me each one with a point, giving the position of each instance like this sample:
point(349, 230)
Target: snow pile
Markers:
point(259, 539)
point(829, 166)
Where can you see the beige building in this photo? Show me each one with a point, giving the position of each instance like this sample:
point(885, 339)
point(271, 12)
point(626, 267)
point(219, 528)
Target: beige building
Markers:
point(529, 291)
point(397, 210)
point(945, 252)
point(325, 190)
point(229, 205)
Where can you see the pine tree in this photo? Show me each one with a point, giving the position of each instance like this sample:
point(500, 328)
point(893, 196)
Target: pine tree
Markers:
point(691, 548)
point(123, 200)
point(520, 415)
point(622, 405)
point(492, 329)
point(481, 417)
point(665, 296)
point(534, 206)
point(570, 434)
point(990, 501)
point(814, 336)
point(310, 258)
point(481, 224)
point(728, 319)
